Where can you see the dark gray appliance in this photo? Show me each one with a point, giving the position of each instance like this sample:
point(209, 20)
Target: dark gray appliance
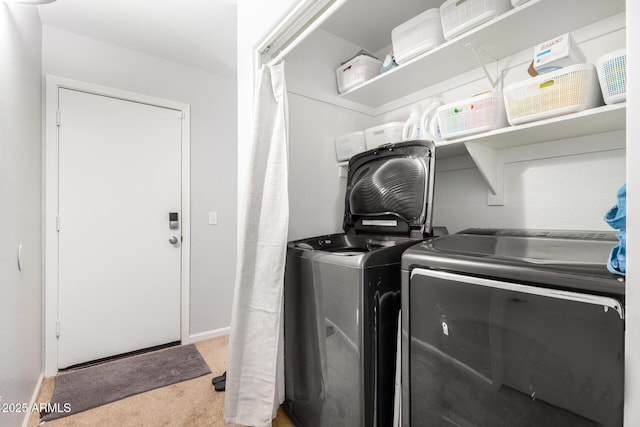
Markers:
point(341, 292)
point(512, 328)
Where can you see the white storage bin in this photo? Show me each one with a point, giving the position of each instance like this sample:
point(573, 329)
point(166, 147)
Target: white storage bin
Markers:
point(480, 113)
point(357, 71)
point(348, 145)
point(612, 73)
point(459, 16)
point(517, 3)
point(417, 35)
point(383, 134)
point(567, 90)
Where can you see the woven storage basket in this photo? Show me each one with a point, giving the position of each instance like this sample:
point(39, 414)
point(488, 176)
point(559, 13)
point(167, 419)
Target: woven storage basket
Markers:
point(567, 90)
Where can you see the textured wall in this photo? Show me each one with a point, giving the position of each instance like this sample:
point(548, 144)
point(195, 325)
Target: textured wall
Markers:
point(20, 206)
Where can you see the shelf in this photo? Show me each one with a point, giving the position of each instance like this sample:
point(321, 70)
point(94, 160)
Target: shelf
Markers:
point(516, 30)
point(482, 146)
point(594, 120)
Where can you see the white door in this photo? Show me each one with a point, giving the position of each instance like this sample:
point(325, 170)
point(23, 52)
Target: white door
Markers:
point(119, 180)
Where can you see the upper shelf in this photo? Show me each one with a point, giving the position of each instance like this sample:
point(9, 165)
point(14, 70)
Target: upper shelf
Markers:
point(509, 33)
point(594, 120)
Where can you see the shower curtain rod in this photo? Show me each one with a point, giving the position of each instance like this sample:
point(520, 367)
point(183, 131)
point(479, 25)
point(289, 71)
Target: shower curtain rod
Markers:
point(297, 26)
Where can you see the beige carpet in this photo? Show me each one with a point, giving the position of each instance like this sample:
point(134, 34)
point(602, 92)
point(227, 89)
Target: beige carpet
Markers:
point(189, 403)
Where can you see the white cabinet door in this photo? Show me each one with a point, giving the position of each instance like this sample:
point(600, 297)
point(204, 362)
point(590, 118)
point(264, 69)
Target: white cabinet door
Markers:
point(119, 179)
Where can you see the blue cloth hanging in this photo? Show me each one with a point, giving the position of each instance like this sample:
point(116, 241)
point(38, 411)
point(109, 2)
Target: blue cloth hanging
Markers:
point(617, 219)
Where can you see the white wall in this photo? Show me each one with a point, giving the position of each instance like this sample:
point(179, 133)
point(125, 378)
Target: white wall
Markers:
point(311, 68)
point(213, 152)
point(570, 193)
point(316, 192)
point(20, 206)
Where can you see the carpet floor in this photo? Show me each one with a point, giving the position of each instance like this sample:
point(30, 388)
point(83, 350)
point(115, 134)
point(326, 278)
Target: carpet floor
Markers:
point(188, 403)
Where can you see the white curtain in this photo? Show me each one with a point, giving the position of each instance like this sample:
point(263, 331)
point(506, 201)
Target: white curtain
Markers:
point(255, 365)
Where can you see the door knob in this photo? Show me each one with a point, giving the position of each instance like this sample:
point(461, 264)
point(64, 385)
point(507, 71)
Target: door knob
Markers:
point(173, 240)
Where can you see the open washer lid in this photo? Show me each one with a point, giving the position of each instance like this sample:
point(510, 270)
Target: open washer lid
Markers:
point(390, 189)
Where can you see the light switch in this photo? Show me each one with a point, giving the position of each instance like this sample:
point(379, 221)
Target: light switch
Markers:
point(213, 217)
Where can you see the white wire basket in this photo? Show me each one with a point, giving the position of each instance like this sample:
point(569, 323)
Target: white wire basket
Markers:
point(349, 145)
point(567, 90)
point(383, 134)
point(460, 16)
point(612, 73)
point(416, 36)
point(357, 71)
point(480, 113)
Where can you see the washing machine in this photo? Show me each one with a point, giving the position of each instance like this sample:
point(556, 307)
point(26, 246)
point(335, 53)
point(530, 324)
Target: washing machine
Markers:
point(342, 292)
point(512, 328)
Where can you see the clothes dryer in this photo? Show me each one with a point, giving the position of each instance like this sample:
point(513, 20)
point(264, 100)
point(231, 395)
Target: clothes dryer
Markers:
point(512, 328)
point(342, 291)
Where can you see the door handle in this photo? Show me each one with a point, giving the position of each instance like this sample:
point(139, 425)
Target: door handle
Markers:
point(173, 240)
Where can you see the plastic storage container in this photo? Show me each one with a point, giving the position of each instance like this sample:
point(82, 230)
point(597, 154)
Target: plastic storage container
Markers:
point(567, 90)
point(383, 134)
point(612, 73)
point(349, 145)
point(357, 71)
point(480, 113)
point(558, 52)
point(417, 35)
point(459, 16)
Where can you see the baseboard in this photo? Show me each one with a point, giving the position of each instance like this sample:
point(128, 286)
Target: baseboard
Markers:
point(34, 397)
point(201, 336)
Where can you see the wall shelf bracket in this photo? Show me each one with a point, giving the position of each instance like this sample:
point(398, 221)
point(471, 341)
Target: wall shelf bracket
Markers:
point(476, 53)
point(491, 166)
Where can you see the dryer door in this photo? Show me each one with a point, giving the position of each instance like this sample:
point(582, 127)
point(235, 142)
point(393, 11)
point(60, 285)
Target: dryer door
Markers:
point(492, 353)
